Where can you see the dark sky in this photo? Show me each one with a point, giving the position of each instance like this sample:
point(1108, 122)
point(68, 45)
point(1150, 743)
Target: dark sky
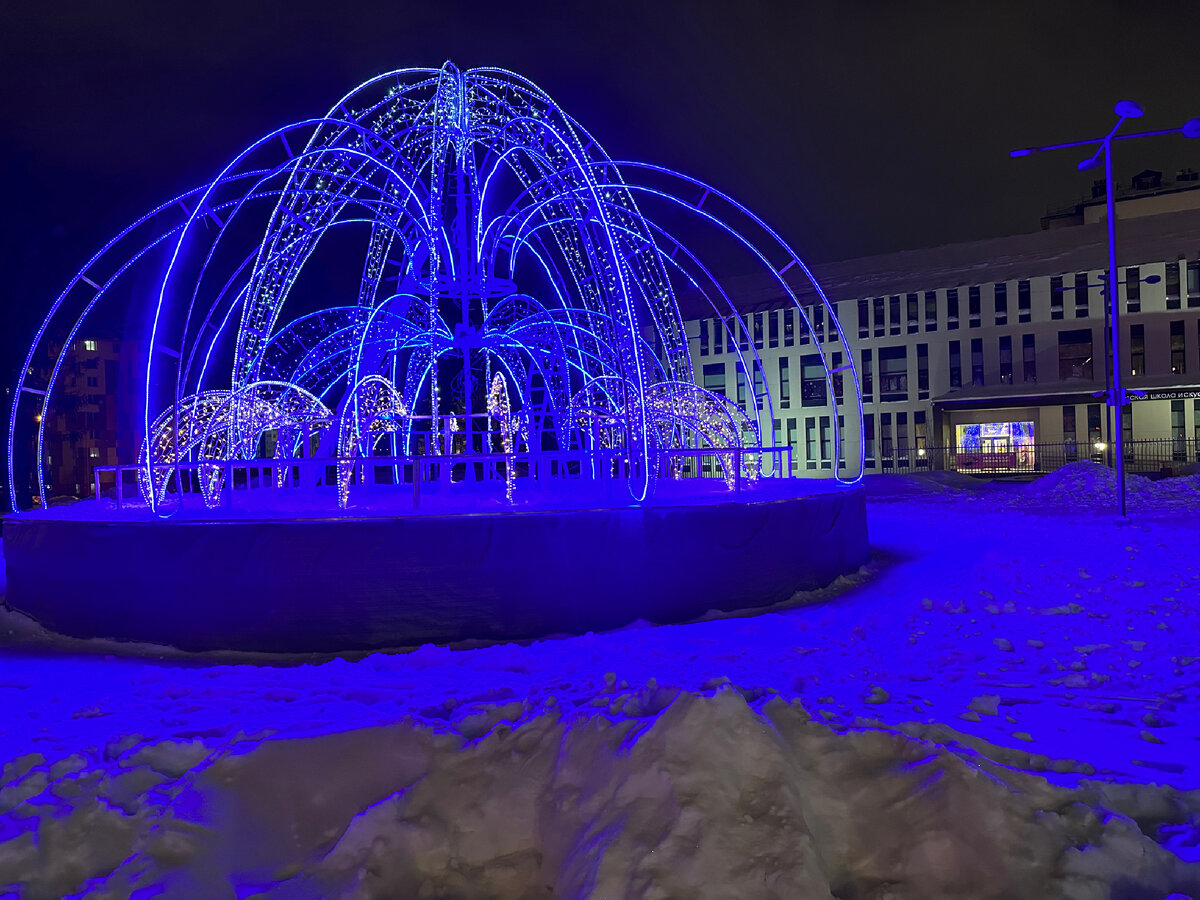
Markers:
point(854, 127)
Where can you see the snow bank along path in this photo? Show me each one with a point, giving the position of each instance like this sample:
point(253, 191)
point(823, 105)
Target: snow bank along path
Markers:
point(1003, 705)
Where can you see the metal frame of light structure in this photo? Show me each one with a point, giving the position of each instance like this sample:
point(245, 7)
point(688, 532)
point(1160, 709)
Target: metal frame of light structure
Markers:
point(1116, 394)
point(495, 236)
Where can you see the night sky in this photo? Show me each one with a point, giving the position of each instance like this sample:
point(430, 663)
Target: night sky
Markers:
point(855, 128)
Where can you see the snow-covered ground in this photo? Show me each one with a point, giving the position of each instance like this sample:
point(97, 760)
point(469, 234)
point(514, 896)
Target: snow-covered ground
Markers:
point(1005, 703)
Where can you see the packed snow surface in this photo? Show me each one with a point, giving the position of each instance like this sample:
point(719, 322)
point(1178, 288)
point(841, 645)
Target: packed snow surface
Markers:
point(1003, 704)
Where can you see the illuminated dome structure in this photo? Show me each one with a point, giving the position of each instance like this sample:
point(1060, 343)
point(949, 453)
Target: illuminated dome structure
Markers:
point(444, 290)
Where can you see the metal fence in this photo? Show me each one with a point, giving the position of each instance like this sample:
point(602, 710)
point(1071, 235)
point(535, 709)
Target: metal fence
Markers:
point(1156, 458)
point(736, 466)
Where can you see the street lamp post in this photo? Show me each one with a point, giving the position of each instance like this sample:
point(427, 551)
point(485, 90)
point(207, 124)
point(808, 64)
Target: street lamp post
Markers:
point(1116, 397)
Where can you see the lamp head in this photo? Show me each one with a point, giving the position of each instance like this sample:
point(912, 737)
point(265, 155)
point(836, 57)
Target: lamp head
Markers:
point(1127, 109)
point(1191, 128)
point(1029, 151)
point(1090, 163)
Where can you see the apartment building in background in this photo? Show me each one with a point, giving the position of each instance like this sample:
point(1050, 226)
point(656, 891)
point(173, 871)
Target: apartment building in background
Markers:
point(982, 348)
point(85, 428)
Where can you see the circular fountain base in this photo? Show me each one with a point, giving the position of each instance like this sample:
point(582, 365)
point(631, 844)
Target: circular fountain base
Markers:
point(256, 581)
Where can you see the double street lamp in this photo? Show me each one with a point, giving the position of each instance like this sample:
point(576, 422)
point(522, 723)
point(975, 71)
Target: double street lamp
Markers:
point(1115, 395)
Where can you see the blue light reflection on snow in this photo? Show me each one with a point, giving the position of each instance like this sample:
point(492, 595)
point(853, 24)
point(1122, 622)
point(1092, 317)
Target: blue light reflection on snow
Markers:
point(1075, 635)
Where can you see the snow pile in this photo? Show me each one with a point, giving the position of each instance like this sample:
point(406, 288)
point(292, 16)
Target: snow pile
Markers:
point(933, 482)
point(639, 793)
point(1089, 484)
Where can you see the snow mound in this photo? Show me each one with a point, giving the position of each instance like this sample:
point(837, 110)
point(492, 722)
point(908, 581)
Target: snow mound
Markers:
point(1087, 483)
point(650, 792)
point(893, 485)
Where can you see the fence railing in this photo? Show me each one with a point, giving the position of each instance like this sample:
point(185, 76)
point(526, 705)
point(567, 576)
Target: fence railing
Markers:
point(1167, 456)
point(530, 470)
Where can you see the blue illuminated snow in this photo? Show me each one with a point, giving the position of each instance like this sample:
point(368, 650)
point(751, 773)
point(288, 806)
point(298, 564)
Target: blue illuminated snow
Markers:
point(1074, 628)
point(997, 624)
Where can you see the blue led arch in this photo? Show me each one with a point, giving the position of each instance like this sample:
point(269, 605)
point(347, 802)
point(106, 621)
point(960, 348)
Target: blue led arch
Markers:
point(510, 275)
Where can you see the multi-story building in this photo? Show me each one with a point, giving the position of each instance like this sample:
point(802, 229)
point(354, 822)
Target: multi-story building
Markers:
point(982, 349)
point(85, 430)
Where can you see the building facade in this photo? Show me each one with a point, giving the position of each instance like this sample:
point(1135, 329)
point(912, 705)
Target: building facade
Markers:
point(90, 425)
point(980, 354)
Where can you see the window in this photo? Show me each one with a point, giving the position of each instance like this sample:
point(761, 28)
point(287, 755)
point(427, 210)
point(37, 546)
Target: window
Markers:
point(1006, 360)
point(914, 314)
point(1127, 423)
point(704, 337)
point(973, 306)
point(868, 382)
point(789, 327)
point(1172, 284)
point(93, 381)
point(952, 309)
point(837, 376)
point(775, 433)
point(1193, 282)
point(1196, 425)
point(893, 374)
point(977, 362)
point(1029, 358)
point(902, 436)
point(877, 316)
point(825, 456)
point(1133, 289)
point(93, 453)
point(743, 334)
point(920, 432)
point(1178, 434)
point(931, 310)
point(1024, 301)
point(1137, 349)
point(791, 441)
point(818, 319)
point(773, 328)
point(89, 346)
point(718, 336)
point(714, 378)
point(1068, 416)
point(1075, 354)
point(869, 439)
point(1056, 297)
point(758, 331)
point(864, 313)
point(741, 387)
point(894, 315)
point(1001, 303)
point(1094, 435)
point(810, 442)
point(955, 365)
point(885, 438)
point(759, 391)
point(785, 384)
point(1081, 295)
point(812, 381)
point(923, 371)
point(1177, 347)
